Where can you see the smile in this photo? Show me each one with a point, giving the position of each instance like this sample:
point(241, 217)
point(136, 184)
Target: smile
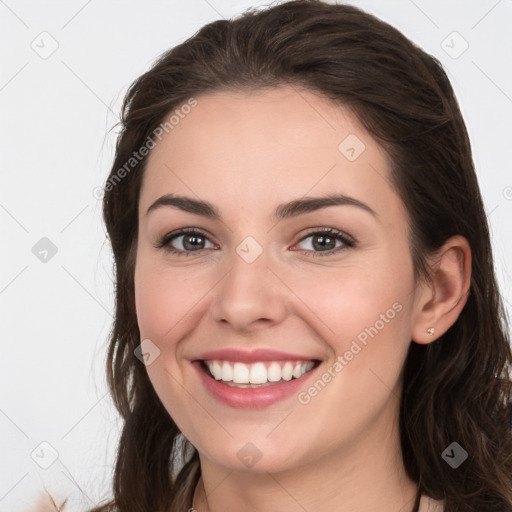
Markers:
point(268, 373)
point(253, 380)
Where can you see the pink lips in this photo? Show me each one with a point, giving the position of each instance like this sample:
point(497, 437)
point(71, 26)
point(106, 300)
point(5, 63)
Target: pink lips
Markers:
point(251, 398)
point(229, 354)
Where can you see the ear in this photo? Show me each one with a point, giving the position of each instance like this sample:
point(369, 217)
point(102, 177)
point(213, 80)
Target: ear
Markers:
point(440, 299)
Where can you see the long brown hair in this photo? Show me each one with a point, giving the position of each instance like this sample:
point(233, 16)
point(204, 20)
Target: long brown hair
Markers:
point(457, 388)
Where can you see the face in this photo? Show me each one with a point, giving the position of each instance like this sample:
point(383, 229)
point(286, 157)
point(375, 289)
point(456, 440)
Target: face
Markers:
point(277, 333)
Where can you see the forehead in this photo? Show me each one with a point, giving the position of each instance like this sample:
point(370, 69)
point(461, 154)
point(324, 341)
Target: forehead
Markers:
point(246, 149)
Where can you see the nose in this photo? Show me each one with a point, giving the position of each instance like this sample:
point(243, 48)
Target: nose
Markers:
point(250, 296)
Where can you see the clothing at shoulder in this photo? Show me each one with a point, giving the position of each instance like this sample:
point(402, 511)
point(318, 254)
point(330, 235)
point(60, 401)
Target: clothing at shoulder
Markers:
point(430, 505)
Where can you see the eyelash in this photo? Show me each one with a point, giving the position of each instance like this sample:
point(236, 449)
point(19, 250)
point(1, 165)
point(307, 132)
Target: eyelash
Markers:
point(347, 241)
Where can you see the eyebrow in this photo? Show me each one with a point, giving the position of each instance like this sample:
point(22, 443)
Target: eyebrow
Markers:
point(283, 211)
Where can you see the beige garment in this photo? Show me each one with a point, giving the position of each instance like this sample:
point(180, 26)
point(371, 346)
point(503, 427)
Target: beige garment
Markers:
point(430, 505)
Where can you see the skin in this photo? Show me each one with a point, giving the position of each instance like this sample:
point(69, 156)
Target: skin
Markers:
point(246, 153)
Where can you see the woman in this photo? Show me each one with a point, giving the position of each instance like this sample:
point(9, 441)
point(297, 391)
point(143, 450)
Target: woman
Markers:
point(307, 316)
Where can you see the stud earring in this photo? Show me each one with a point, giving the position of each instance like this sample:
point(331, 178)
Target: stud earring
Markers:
point(430, 330)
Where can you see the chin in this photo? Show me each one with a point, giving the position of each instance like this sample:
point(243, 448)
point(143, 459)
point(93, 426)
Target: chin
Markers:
point(258, 456)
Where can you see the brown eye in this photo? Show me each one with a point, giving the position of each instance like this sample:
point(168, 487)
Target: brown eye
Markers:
point(192, 242)
point(326, 242)
point(321, 242)
point(184, 242)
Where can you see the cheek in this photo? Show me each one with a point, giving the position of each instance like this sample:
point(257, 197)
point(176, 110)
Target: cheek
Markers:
point(163, 298)
point(363, 313)
point(365, 320)
point(156, 303)
point(370, 311)
point(363, 301)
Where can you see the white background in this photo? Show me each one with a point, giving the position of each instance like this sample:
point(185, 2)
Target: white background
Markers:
point(56, 148)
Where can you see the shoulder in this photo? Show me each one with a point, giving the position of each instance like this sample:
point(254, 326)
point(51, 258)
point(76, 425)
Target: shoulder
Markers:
point(51, 503)
point(46, 503)
point(430, 505)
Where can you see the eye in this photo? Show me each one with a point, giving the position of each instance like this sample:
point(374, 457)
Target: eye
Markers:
point(323, 242)
point(191, 239)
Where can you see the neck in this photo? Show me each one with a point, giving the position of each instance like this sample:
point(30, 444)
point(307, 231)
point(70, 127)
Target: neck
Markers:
point(366, 475)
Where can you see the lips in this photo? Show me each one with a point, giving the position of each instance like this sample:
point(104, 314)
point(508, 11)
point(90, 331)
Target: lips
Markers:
point(243, 356)
point(254, 379)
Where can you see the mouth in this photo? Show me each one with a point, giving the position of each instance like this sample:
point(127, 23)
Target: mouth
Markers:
point(258, 374)
point(254, 379)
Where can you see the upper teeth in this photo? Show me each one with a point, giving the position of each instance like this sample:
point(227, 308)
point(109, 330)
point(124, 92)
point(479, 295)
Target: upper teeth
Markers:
point(258, 373)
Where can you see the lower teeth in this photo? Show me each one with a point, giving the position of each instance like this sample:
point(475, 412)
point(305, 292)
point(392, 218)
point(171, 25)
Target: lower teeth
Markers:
point(265, 384)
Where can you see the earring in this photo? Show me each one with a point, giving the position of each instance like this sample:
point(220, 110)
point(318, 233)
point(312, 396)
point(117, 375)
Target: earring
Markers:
point(430, 330)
